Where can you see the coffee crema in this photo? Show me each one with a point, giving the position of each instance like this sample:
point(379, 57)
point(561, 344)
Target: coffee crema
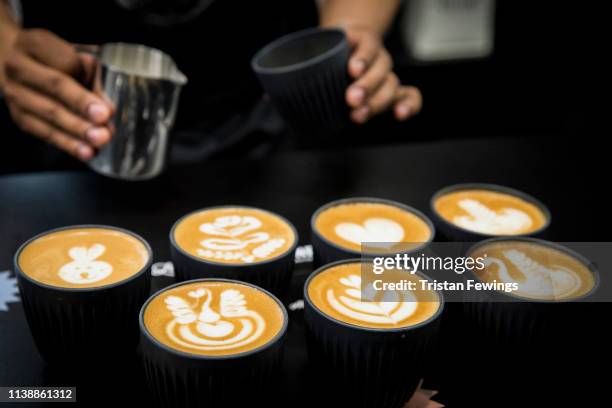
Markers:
point(541, 271)
point(337, 293)
point(83, 257)
point(351, 224)
point(234, 235)
point(213, 318)
point(490, 212)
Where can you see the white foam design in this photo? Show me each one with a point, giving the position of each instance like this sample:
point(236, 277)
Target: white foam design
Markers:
point(235, 240)
point(373, 230)
point(538, 280)
point(233, 325)
point(507, 221)
point(84, 268)
point(396, 307)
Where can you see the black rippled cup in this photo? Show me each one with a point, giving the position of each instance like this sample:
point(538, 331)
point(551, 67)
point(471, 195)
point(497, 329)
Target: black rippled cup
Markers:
point(325, 251)
point(451, 232)
point(306, 76)
point(77, 326)
point(509, 319)
point(367, 367)
point(272, 274)
point(180, 379)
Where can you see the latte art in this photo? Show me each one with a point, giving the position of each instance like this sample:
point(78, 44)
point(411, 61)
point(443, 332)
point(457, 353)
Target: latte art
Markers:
point(541, 272)
point(482, 219)
point(374, 230)
point(84, 268)
point(389, 311)
point(234, 235)
point(337, 292)
point(83, 257)
point(490, 212)
point(379, 225)
point(197, 325)
point(213, 318)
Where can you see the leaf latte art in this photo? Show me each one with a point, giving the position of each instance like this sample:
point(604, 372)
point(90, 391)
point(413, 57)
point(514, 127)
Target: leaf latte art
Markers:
point(213, 318)
point(349, 304)
point(337, 292)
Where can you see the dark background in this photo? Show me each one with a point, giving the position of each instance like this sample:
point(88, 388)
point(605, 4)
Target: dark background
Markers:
point(541, 80)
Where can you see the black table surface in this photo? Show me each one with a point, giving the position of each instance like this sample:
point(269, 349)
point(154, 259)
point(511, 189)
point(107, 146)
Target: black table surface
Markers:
point(293, 184)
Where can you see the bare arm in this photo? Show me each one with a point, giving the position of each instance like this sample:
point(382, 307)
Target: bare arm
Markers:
point(376, 88)
point(375, 14)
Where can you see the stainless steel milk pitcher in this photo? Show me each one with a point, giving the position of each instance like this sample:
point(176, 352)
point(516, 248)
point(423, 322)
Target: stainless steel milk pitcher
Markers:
point(144, 86)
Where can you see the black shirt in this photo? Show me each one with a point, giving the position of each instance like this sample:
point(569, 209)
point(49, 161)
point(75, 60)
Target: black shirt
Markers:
point(213, 48)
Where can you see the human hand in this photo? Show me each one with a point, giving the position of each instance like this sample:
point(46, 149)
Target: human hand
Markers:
point(46, 97)
point(376, 88)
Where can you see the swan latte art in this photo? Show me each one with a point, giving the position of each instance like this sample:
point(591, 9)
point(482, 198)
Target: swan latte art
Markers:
point(542, 272)
point(234, 235)
point(83, 257)
point(490, 212)
point(336, 292)
point(213, 318)
point(351, 224)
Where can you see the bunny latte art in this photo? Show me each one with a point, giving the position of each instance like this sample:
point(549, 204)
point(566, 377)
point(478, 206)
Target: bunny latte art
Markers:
point(213, 318)
point(83, 257)
point(82, 288)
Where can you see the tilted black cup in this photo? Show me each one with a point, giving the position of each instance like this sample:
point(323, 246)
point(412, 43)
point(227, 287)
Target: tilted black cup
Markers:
point(271, 274)
point(326, 251)
point(81, 325)
point(306, 76)
point(180, 379)
point(367, 367)
point(451, 232)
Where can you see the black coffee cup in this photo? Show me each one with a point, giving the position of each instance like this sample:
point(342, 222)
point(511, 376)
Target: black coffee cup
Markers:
point(273, 274)
point(451, 232)
point(508, 319)
point(326, 251)
point(306, 76)
point(363, 366)
point(73, 326)
point(180, 379)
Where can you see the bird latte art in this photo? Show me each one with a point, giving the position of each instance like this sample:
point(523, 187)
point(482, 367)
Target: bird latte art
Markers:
point(213, 318)
point(542, 272)
point(235, 235)
point(350, 225)
point(83, 257)
point(490, 212)
point(337, 292)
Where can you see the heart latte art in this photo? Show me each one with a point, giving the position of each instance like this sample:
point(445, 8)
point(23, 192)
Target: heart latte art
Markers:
point(380, 226)
point(490, 212)
point(83, 257)
point(337, 292)
point(234, 235)
point(541, 272)
point(213, 318)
